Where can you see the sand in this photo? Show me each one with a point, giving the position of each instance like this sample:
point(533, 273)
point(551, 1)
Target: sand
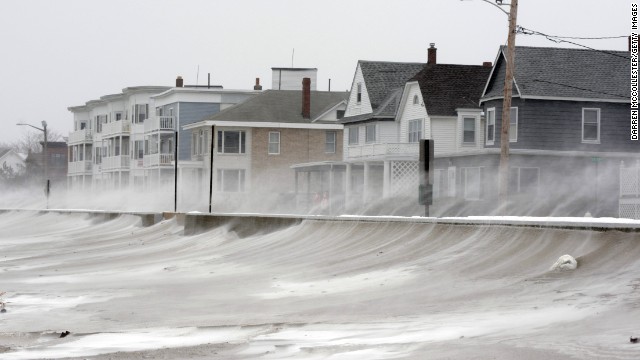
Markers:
point(318, 290)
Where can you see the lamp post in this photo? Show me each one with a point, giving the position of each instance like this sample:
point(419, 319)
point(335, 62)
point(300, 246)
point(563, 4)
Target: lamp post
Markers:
point(45, 156)
point(503, 172)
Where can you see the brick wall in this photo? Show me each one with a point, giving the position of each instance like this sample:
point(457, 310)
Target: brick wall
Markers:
point(273, 173)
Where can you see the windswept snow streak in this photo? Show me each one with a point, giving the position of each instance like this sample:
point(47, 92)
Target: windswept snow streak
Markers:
point(322, 289)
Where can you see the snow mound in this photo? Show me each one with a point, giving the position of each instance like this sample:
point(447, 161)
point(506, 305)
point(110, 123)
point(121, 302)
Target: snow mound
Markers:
point(565, 262)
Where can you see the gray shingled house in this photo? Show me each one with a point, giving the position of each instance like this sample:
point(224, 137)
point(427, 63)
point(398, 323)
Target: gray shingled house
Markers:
point(570, 133)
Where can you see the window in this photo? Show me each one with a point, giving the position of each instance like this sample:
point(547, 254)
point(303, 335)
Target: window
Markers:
point(415, 130)
point(274, 142)
point(591, 126)
point(231, 180)
point(231, 142)
point(118, 115)
point(524, 180)
point(83, 125)
point(138, 149)
point(370, 133)
point(491, 126)
point(469, 131)
point(158, 111)
point(472, 182)
point(140, 112)
point(353, 135)
point(340, 114)
point(416, 101)
point(359, 93)
point(513, 125)
point(330, 142)
point(198, 142)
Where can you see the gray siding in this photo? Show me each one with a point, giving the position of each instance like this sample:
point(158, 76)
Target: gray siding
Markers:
point(496, 84)
point(557, 125)
point(190, 113)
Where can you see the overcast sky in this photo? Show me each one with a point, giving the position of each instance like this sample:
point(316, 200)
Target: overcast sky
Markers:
point(56, 54)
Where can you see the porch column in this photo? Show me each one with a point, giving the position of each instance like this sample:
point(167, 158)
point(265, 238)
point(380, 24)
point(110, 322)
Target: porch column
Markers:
point(347, 190)
point(365, 187)
point(386, 179)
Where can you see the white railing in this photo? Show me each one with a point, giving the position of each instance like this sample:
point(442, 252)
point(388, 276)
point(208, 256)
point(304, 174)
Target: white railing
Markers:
point(79, 167)
point(158, 160)
point(116, 162)
point(116, 127)
point(80, 136)
point(159, 123)
point(372, 150)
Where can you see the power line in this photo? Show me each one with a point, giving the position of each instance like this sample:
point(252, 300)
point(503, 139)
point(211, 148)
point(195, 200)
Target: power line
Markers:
point(579, 88)
point(560, 39)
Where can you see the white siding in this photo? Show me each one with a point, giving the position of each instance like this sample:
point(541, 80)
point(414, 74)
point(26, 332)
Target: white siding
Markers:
point(353, 107)
point(332, 115)
point(283, 79)
point(387, 132)
point(411, 111)
point(444, 135)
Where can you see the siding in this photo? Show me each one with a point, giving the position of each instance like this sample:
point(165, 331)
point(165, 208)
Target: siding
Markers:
point(557, 125)
point(444, 135)
point(283, 79)
point(189, 113)
point(413, 112)
point(353, 108)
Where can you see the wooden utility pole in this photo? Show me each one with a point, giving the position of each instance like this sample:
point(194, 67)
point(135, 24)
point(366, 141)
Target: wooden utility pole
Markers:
point(503, 182)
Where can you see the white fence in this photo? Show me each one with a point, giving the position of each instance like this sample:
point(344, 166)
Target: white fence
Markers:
point(79, 167)
point(158, 160)
point(116, 162)
point(629, 204)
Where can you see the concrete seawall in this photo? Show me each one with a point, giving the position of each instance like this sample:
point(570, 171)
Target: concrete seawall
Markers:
point(248, 224)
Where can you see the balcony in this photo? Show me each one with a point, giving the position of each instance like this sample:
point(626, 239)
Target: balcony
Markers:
point(80, 167)
point(80, 136)
point(116, 162)
point(158, 160)
point(116, 128)
point(160, 123)
point(404, 150)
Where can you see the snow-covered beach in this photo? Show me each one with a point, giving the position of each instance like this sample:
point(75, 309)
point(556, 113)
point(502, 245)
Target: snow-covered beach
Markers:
point(317, 290)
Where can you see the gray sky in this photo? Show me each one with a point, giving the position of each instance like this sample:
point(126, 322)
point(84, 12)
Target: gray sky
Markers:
point(62, 53)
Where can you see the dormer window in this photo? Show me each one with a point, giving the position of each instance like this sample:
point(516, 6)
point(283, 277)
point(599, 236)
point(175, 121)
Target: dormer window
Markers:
point(359, 93)
point(416, 101)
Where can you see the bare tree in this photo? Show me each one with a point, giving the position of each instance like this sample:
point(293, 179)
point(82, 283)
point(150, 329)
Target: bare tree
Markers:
point(32, 141)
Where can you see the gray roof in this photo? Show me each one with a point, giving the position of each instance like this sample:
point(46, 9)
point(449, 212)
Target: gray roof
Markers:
point(382, 78)
point(384, 81)
point(280, 106)
point(565, 73)
point(447, 87)
point(3, 152)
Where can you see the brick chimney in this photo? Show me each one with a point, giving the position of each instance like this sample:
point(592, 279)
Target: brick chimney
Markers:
point(257, 86)
point(431, 54)
point(306, 98)
point(487, 64)
point(179, 82)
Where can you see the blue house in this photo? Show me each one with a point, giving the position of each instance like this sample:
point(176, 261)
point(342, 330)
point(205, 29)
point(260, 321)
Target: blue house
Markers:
point(570, 134)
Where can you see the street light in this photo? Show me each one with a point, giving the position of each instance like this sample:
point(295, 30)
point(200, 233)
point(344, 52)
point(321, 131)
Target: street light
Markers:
point(44, 155)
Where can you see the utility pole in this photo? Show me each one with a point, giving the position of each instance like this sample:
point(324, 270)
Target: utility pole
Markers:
point(503, 181)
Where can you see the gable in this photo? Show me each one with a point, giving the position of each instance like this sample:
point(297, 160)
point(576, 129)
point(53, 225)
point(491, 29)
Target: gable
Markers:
point(364, 105)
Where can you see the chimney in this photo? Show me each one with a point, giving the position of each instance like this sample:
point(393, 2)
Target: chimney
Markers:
point(257, 86)
point(306, 98)
point(487, 64)
point(179, 82)
point(431, 55)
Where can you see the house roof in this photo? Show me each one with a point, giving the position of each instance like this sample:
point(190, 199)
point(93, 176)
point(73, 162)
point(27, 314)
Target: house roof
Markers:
point(283, 106)
point(3, 152)
point(542, 72)
point(382, 78)
point(447, 87)
point(384, 81)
